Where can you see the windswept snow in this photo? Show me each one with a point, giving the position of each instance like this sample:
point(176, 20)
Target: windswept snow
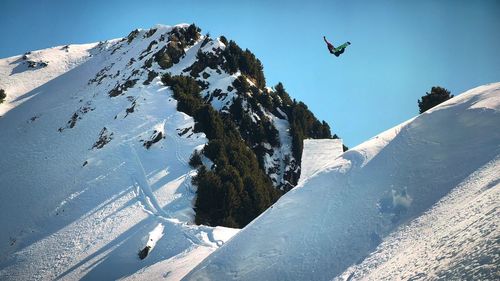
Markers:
point(419, 201)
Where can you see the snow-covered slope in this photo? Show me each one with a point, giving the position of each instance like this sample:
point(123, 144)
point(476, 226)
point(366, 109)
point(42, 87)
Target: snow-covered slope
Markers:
point(419, 201)
point(20, 75)
point(88, 178)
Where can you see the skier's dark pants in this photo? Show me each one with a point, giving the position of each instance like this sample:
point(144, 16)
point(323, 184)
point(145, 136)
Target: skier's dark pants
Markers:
point(338, 53)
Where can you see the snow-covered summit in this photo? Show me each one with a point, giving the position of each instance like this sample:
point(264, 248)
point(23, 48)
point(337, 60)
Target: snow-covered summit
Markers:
point(418, 202)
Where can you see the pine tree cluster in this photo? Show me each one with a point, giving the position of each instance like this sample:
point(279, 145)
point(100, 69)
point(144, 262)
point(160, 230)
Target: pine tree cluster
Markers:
point(234, 190)
point(303, 123)
point(245, 61)
point(435, 97)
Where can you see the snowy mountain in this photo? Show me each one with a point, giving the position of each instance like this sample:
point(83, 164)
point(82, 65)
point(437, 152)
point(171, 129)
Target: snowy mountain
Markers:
point(420, 201)
point(98, 154)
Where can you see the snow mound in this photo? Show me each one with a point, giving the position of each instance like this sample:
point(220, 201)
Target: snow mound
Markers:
point(418, 201)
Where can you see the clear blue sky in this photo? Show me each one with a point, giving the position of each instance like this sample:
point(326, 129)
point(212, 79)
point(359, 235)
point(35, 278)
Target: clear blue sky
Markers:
point(400, 49)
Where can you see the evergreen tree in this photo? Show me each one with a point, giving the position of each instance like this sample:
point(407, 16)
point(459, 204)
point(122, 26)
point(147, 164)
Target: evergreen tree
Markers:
point(2, 95)
point(195, 160)
point(435, 97)
point(223, 39)
point(245, 61)
point(280, 91)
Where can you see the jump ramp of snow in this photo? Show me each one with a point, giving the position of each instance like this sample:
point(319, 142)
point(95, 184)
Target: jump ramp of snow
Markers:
point(433, 178)
point(317, 153)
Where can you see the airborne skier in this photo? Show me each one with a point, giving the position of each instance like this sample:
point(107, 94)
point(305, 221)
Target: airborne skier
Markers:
point(336, 51)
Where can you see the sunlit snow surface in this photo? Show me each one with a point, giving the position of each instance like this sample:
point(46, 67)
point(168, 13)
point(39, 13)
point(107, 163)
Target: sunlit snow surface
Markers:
point(417, 202)
point(71, 209)
point(317, 154)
